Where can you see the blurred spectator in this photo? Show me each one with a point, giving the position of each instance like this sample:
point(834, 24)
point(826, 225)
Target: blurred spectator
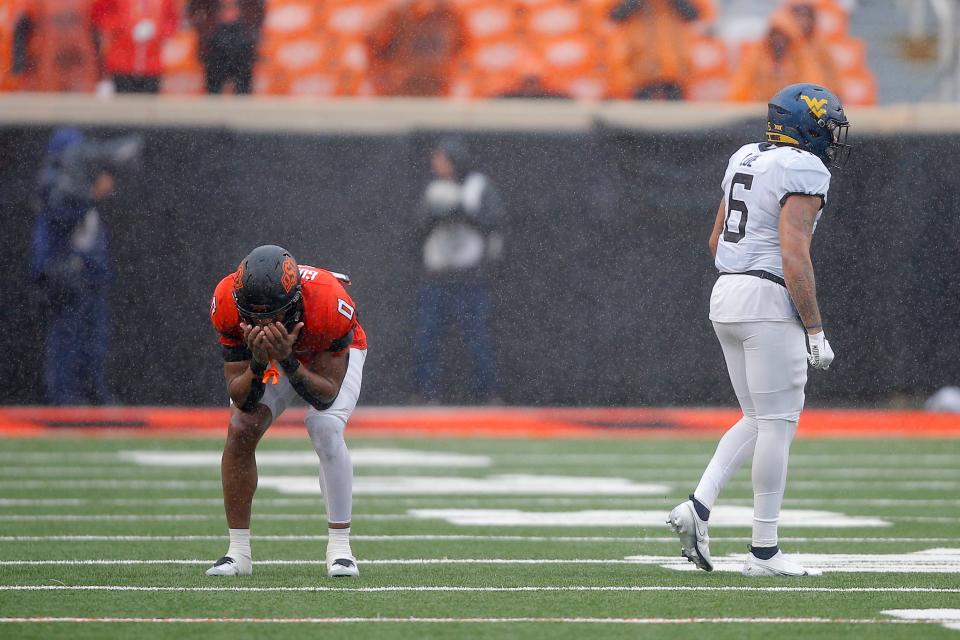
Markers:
point(415, 48)
point(229, 32)
point(656, 58)
point(53, 46)
point(130, 36)
point(460, 218)
point(71, 262)
point(791, 52)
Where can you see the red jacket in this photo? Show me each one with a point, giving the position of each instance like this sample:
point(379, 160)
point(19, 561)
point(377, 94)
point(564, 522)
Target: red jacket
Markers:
point(132, 33)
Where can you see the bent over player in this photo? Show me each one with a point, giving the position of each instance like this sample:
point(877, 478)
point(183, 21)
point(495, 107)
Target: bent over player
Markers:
point(764, 311)
point(286, 330)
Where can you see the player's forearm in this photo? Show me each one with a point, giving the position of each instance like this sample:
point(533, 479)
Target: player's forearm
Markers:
point(801, 283)
point(247, 389)
point(318, 391)
point(717, 229)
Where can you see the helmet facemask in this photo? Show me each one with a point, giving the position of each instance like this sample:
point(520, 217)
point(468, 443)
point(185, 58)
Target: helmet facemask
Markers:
point(838, 151)
point(289, 314)
point(267, 288)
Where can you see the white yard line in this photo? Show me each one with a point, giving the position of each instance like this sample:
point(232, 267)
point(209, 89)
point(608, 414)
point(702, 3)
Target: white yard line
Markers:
point(824, 460)
point(391, 561)
point(939, 560)
point(821, 460)
point(459, 538)
point(123, 485)
point(179, 517)
point(214, 485)
point(938, 519)
point(262, 501)
point(652, 472)
point(460, 589)
point(413, 620)
point(834, 485)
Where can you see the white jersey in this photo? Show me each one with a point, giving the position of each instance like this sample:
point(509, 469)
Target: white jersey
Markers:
point(759, 178)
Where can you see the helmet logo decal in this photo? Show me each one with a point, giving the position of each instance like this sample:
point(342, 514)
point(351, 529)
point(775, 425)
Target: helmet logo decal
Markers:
point(816, 106)
point(238, 278)
point(289, 277)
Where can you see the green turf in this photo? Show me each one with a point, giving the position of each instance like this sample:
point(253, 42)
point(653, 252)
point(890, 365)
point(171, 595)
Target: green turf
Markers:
point(912, 484)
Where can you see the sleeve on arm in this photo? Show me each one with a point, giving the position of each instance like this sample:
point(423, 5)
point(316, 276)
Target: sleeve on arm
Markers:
point(344, 323)
point(226, 321)
point(805, 174)
point(235, 353)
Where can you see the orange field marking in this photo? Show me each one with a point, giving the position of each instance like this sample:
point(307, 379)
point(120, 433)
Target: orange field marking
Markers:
point(474, 422)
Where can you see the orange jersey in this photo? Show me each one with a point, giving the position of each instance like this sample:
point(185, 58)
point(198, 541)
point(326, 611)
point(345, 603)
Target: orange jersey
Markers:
point(329, 317)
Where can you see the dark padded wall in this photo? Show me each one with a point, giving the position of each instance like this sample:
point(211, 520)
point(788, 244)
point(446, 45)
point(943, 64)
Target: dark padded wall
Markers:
point(602, 297)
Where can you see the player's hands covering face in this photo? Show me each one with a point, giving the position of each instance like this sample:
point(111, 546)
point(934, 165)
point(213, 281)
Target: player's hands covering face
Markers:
point(257, 343)
point(280, 341)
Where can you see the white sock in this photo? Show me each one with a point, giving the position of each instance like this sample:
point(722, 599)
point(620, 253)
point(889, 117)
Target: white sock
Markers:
point(239, 544)
point(735, 447)
point(338, 543)
point(770, 477)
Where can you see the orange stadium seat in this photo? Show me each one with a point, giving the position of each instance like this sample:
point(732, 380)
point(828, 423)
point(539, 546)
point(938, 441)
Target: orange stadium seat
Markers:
point(556, 19)
point(858, 88)
point(300, 55)
point(316, 84)
point(490, 21)
point(464, 83)
point(495, 66)
point(182, 72)
point(350, 54)
point(351, 18)
point(832, 20)
point(529, 5)
point(849, 54)
point(180, 52)
point(348, 58)
point(708, 55)
point(708, 87)
point(569, 55)
point(710, 76)
point(579, 86)
point(286, 19)
point(597, 13)
point(285, 62)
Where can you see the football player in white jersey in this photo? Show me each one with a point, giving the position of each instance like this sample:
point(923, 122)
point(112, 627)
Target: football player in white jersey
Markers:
point(765, 313)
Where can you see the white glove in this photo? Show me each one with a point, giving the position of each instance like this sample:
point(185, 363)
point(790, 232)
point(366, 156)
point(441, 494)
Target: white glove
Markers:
point(819, 353)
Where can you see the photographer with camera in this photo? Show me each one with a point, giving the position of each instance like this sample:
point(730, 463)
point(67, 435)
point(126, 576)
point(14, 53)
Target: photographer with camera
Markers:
point(71, 261)
point(460, 217)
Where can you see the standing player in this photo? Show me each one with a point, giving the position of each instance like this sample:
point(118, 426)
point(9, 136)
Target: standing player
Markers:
point(287, 330)
point(774, 193)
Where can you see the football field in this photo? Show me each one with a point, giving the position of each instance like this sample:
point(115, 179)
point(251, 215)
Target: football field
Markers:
point(104, 537)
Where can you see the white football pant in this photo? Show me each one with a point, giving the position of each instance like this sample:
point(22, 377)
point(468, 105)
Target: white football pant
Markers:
point(767, 363)
point(326, 432)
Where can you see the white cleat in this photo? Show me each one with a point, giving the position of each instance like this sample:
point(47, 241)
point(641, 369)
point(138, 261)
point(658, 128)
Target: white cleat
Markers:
point(692, 531)
point(227, 566)
point(778, 565)
point(344, 566)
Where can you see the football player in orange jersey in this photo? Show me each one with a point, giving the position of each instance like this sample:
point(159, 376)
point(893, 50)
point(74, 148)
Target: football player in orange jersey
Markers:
point(287, 330)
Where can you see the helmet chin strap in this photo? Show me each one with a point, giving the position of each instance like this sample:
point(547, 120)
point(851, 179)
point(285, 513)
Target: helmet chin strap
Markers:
point(294, 314)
